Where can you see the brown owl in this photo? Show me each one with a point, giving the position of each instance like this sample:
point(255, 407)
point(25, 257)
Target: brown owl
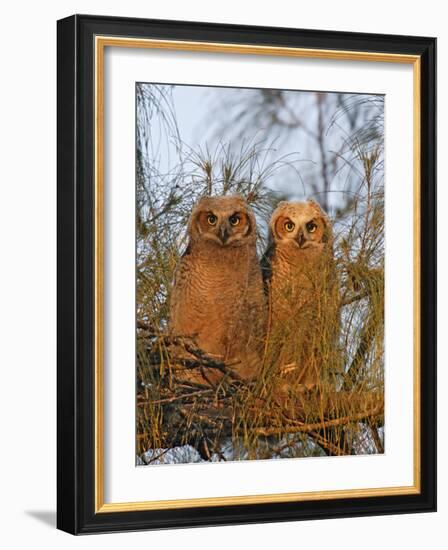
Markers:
point(218, 298)
point(303, 295)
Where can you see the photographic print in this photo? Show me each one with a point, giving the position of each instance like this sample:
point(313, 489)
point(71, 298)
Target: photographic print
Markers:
point(259, 274)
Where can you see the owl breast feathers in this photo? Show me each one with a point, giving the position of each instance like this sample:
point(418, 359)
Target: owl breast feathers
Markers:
point(299, 271)
point(217, 299)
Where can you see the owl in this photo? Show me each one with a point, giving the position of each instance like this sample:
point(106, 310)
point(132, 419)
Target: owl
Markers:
point(299, 272)
point(218, 297)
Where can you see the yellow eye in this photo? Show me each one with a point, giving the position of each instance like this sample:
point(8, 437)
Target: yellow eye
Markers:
point(234, 220)
point(212, 219)
point(289, 226)
point(311, 227)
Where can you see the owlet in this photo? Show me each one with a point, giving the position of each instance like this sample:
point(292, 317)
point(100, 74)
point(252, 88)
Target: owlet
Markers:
point(303, 295)
point(218, 298)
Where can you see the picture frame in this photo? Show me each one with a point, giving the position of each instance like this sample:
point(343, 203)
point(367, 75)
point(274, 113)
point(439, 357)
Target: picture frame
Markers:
point(82, 204)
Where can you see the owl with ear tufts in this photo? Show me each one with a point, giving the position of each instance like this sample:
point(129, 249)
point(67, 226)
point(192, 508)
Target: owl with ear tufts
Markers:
point(218, 298)
point(299, 272)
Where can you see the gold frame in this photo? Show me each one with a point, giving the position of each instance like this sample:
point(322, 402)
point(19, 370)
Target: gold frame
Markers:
point(101, 42)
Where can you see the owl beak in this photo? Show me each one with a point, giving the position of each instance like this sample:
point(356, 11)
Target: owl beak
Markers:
point(223, 234)
point(300, 239)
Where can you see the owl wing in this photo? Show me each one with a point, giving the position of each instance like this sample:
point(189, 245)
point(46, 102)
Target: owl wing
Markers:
point(266, 264)
point(179, 280)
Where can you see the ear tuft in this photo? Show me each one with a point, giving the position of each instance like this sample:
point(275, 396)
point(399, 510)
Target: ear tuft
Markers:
point(314, 203)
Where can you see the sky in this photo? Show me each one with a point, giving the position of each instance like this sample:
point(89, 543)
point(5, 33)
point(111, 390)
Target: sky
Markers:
point(203, 117)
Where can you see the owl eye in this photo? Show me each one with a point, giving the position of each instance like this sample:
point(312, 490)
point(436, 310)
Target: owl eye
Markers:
point(289, 226)
point(212, 219)
point(234, 220)
point(311, 227)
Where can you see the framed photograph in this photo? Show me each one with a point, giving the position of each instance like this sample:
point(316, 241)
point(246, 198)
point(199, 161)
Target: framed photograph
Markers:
point(246, 274)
